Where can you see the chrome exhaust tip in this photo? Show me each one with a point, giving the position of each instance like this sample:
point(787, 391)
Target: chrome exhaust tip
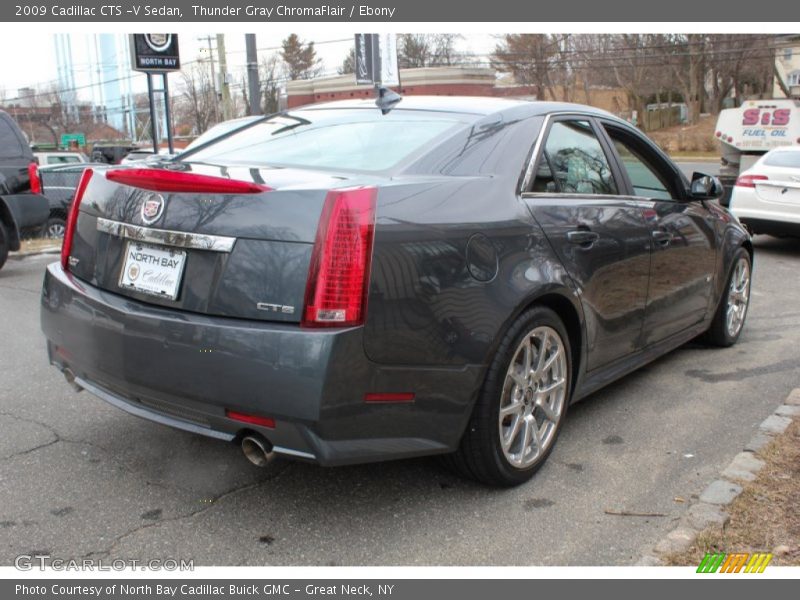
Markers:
point(70, 377)
point(257, 450)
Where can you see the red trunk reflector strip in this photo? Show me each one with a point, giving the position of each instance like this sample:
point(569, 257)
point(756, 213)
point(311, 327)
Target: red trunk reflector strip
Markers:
point(161, 180)
point(389, 397)
point(72, 218)
point(33, 175)
point(252, 419)
point(338, 276)
point(749, 181)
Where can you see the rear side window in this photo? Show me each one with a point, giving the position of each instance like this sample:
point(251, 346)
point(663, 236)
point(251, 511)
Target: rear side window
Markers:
point(573, 162)
point(783, 159)
point(10, 145)
point(360, 139)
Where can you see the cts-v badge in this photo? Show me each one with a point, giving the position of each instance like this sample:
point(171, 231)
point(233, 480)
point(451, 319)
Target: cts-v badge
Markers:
point(152, 208)
point(278, 308)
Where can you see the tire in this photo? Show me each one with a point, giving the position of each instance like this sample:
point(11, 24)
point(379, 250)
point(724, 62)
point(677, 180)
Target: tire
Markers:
point(731, 313)
point(3, 244)
point(55, 227)
point(490, 451)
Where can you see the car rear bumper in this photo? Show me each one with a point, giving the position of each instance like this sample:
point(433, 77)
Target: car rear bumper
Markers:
point(184, 370)
point(759, 214)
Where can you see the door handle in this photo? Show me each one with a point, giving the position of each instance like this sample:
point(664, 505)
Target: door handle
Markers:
point(661, 237)
point(583, 237)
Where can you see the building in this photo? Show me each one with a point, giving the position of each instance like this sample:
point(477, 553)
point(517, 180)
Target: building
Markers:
point(448, 81)
point(104, 67)
point(787, 67)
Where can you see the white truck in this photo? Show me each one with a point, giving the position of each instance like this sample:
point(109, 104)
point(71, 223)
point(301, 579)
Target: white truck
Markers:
point(748, 132)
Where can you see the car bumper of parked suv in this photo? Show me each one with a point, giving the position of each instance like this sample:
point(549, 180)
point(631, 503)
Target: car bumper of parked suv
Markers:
point(190, 371)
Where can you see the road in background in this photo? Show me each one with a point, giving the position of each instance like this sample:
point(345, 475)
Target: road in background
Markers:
point(80, 478)
point(709, 167)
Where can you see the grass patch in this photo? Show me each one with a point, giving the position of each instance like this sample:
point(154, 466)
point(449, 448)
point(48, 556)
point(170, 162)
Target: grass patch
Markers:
point(765, 516)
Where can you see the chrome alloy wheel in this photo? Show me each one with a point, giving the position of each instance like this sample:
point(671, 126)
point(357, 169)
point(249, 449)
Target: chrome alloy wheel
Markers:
point(534, 393)
point(55, 230)
point(738, 297)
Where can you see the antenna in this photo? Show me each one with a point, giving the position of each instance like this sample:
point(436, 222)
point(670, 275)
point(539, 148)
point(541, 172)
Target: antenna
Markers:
point(386, 99)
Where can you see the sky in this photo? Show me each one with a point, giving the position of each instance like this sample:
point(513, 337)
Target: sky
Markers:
point(39, 66)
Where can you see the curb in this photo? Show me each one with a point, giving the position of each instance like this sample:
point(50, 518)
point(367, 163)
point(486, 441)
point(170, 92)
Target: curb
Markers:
point(709, 510)
point(23, 255)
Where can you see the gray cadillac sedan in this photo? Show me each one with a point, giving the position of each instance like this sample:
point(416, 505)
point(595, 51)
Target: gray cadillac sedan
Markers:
point(339, 285)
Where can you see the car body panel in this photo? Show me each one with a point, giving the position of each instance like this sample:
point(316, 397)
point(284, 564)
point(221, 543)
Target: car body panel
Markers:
point(181, 365)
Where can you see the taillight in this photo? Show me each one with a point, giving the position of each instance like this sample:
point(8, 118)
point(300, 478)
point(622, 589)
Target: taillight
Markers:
point(33, 175)
point(72, 218)
point(162, 180)
point(749, 181)
point(338, 277)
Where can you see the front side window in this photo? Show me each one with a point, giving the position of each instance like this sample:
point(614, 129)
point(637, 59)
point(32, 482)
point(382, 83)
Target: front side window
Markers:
point(573, 162)
point(645, 179)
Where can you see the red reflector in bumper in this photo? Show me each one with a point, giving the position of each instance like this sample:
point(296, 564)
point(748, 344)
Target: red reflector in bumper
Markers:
point(252, 419)
point(389, 397)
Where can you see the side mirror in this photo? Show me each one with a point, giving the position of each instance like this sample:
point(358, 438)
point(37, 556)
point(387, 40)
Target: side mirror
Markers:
point(705, 187)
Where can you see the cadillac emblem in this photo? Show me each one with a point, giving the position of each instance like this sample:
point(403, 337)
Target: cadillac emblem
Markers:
point(152, 208)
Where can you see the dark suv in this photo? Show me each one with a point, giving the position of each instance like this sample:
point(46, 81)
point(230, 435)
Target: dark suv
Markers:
point(22, 207)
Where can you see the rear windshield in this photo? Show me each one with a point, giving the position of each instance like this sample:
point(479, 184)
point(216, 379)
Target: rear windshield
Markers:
point(356, 139)
point(783, 159)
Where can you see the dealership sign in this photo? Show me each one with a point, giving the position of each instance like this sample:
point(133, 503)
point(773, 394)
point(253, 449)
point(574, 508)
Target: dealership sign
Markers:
point(155, 52)
point(376, 59)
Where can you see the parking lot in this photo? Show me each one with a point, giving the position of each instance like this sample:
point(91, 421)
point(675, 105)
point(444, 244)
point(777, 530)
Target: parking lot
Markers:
point(79, 478)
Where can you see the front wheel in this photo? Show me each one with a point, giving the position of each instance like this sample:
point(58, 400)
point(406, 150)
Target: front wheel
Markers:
point(729, 319)
point(518, 415)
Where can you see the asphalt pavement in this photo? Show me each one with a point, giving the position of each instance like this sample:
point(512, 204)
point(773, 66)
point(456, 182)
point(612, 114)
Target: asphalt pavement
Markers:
point(79, 478)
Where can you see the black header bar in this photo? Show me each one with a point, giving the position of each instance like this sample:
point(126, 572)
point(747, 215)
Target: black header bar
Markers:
point(400, 11)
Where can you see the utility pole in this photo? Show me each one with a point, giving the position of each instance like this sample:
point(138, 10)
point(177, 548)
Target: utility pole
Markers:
point(253, 85)
point(208, 38)
point(223, 78)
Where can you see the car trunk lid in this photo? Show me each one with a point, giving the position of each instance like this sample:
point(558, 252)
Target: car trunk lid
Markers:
point(239, 250)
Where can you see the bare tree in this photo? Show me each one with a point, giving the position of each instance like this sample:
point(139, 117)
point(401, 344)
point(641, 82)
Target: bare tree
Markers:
point(530, 58)
point(270, 74)
point(634, 59)
point(416, 50)
point(198, 102)
point(686, 57)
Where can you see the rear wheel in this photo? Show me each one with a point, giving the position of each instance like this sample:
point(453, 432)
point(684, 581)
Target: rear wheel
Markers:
point(729, 319)
point(518, 415)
